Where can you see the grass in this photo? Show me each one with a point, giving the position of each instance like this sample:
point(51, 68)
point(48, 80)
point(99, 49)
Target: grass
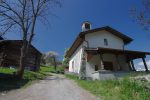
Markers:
point(29, 77)
point(124, 89)
point(137, 73)
point(59, 70)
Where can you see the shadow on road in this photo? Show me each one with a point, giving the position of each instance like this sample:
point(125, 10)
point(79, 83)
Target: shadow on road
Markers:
point(8, 82)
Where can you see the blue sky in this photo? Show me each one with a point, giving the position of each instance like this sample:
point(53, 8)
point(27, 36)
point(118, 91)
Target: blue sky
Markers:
point(64, 28)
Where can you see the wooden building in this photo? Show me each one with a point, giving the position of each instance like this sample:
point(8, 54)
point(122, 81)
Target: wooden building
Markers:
point(10, 51)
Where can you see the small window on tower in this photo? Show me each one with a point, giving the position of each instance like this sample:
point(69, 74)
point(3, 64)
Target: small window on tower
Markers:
point(105, 42)
point(87, 26)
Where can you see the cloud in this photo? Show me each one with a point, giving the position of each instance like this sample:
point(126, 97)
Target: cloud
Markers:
point(147, 62)
point(140, 65)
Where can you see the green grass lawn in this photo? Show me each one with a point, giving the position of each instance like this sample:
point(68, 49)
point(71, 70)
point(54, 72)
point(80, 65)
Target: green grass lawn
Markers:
point(124, 89)
point(137, 73)
point(7, 84)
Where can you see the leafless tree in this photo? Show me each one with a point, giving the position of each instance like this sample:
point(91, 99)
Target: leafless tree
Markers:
point(142, 14)
point(51, 57)
point(23, 15)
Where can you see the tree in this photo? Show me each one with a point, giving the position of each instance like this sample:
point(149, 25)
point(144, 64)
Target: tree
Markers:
point(23, 15)
point(142, 15)
point(43, 61)
point(51, 57)
point(65, 62)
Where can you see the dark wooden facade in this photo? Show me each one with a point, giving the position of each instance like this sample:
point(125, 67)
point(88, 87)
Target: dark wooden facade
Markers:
point(1, 38)
point(10, 51)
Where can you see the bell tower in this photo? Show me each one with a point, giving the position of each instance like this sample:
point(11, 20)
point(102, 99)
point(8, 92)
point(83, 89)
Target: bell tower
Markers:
point(86, 26)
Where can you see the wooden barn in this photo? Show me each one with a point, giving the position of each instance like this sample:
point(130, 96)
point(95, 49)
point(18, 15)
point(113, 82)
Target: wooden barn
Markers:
point(10, 51)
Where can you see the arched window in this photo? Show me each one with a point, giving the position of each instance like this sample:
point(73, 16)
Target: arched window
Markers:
point(105, 42)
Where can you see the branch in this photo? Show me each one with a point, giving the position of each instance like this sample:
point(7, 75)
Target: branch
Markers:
point(9, 17)
point(10, 9)
point(8, 28)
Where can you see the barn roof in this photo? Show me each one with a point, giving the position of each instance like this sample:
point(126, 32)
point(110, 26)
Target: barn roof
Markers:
point(19, 42)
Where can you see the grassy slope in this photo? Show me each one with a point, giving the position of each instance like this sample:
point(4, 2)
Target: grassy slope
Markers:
point(124, 89)
point(29, 77)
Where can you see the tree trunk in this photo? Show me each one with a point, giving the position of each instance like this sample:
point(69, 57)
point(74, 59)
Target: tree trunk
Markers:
point(55, 65)
point(20, 71)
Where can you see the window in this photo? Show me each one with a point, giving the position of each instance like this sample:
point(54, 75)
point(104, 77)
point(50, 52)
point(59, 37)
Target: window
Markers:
point(87, 26)
point(96, 68)
point(105, 42)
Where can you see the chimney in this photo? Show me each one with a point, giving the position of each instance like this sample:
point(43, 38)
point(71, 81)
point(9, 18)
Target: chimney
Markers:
point(86, 26)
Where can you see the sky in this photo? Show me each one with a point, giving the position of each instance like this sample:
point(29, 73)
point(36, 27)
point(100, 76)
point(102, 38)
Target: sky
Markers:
point(66, 24)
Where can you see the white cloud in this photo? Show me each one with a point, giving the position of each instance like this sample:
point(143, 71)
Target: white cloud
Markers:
point(140, 65)
point(147, 62)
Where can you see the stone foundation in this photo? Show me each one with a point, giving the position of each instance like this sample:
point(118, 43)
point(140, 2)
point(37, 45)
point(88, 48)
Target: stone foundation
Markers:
point(105, 74)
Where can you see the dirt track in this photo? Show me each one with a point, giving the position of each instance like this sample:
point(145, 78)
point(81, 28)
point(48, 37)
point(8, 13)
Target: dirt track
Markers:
point(55, 87)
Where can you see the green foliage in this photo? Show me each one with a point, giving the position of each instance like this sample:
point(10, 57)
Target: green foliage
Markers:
point(65, 62)
point(134, 74)
point(65, 59)
point(46, 69)
point(7, 70)
point(124, 89)
point(74, 77)
point(60, 69)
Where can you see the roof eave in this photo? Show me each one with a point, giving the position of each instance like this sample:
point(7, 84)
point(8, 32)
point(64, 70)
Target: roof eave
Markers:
point(125, 38)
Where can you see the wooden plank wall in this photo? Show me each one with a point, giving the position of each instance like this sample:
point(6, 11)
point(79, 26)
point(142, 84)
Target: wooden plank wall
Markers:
point(10, 55)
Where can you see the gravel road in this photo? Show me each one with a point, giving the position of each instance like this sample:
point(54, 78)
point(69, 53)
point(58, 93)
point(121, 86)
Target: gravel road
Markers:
point(55, 87)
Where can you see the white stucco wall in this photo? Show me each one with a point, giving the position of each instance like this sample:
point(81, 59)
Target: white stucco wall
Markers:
point(96, 39)
point(76, 58)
